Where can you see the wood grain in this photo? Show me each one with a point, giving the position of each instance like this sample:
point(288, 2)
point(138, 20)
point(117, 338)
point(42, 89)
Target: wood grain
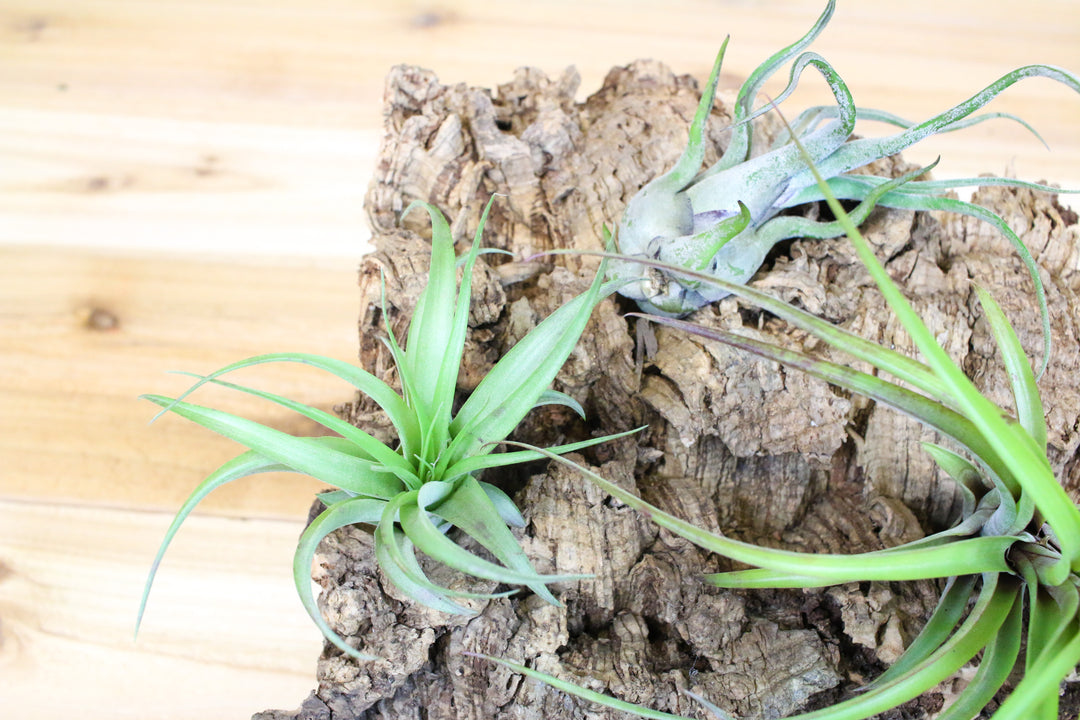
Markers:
point(88, 486)
point(252, 125)
point(223, 636)
point(181, 185)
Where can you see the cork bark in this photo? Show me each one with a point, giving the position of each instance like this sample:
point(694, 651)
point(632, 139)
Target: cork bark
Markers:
point(733, 443)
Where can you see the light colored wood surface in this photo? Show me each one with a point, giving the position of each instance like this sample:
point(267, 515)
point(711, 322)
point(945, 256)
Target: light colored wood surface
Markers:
point(87, 486)
point(195, 169)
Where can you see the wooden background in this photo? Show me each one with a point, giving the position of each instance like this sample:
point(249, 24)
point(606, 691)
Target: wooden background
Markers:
point(181, 186)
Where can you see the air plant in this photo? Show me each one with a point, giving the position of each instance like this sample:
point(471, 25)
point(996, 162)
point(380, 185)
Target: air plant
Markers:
point(415, 492)
point(723, 220)
point(1013, 554)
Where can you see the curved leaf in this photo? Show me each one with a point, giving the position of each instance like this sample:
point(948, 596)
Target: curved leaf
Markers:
point(1029, 408)
point(397, 558)
point(369, 447)
point(422, 532)
point(1036, 687)
point(583, 693)
point(858, 152)
point(942, 623)
point(979, 555)
point(994, 669)
point(249, 463)
point(504, 506)
point(919, 407)
point(991, 611)
point(384, 396)
point(338, 515)
point(739, 147)
point(761, 181)
point(554, 397)
point(470, 508)
point(329, 462)
point(475, 463)
point(512, 387)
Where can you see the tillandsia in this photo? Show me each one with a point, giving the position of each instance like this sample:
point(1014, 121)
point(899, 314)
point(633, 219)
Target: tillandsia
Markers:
point(415, 492)
point(1013, 554)
point(724, 219)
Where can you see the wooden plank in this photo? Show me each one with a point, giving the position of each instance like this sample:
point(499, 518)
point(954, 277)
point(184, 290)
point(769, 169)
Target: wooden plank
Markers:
point(73, 429)
point(87, 487)
point(224, 634)
point(253, 125)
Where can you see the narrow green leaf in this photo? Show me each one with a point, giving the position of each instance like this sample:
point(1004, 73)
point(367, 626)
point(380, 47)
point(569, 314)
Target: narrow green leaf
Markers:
point(739, 147)
point(583, 693)
point(942, 623)
point(982, 554)
point(990, 612)
point(854, 153)
point(330, 463)
point(470, 508)
point(475, 463)
point(1047, 622)
point(1051, 611)
point(384, 396)
point(397, 558)
point(1036, 687)
point(790, 226)
point(853, 187)
point(689, 163)
point(994, 668)
point(368, 445)
point(502, 503)
point(816, 113)
point(329, 497)
point(432, 321)
point(698, 250)
point(450, 366)
point(249, 463)
point(338, 515)
point(419, 412)
point(554, 397)
point(964, 474)
point(919, 407)
point(972, 555)
point(717, 712)
point(897, 364)
point(1029, 408)
point(512, 387)
point(422, 532)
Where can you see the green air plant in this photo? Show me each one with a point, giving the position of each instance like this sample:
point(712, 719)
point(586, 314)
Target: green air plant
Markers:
point(414, 493)
point(1015, 548)
point(723, 220)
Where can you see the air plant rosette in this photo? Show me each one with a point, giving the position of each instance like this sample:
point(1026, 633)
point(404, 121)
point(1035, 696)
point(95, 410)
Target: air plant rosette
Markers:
point(413, 492)
point(723, 220)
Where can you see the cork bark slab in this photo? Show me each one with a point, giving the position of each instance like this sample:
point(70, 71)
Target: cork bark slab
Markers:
point(733, 443)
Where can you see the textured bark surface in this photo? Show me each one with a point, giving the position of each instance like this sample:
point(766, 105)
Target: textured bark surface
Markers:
point(734, 443)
